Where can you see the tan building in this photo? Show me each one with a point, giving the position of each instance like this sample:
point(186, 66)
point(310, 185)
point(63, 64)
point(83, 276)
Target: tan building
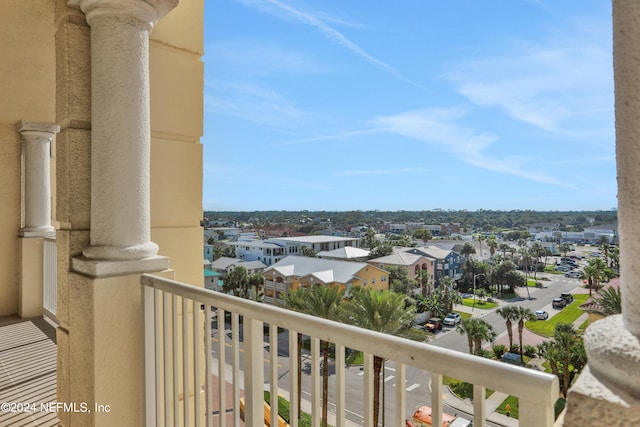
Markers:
point(296, 271)
point(101, 168)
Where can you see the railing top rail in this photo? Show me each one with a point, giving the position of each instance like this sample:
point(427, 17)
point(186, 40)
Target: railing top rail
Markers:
point(527, 384)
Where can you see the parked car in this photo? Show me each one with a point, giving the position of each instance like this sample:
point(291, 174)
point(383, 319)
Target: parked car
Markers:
point(542, 315)
point(452, 319)
point(558, 303)
point(567, 297)
point(573, 274)
point(433, 324)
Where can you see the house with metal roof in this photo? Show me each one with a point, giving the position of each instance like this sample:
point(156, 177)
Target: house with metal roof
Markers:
point(295, 271)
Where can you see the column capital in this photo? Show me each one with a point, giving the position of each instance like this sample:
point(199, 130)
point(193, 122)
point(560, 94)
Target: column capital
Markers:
point(29, 126)
point(147, 11)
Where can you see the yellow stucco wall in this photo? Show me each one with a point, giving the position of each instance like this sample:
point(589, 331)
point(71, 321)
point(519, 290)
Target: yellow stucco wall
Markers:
point(27, 89)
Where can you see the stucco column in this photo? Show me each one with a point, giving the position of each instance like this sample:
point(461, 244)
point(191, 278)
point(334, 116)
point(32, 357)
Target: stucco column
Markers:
point(609, 389)
point(120, 128)
point(36, 138)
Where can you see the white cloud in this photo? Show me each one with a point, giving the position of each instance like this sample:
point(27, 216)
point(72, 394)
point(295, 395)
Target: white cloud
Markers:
point(559, 85)
point(439, 127)
point(251, 102)
point(318, 22)
point(403, 171)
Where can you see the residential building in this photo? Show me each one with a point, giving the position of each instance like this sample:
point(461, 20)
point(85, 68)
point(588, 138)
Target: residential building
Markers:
point(348, 253)
point(259, 250)
point(412, 263)
point(273, 250)
point(295, 271)
point(448, 263)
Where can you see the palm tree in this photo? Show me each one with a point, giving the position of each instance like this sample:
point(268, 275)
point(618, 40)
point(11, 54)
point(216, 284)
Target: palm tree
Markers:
point(323, 302)
point(504, 247)
point(237, 282)
point(383, 312)
point(423, 277)
point(537, 251)
point(466, 250)
point(569, 350)
point(510, 314)
point(523, 314)
point(564, 248)
point(492, 243)
point(481, 238)
point(477, 330)
point(609, 302)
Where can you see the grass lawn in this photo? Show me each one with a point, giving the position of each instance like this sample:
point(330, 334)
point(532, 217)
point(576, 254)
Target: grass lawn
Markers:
point(283, 411)
point(462, 389)
point(485, 305)
point(463, 314)
point(513, 403)
point(569, 314)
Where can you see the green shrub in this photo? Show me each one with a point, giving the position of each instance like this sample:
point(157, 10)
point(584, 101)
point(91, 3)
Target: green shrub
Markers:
point(499, 350)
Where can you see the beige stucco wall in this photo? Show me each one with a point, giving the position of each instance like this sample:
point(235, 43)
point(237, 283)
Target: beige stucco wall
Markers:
point(28, 92)
point(176, 77)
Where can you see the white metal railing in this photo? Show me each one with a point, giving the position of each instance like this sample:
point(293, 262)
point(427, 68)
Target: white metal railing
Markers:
point(171, 339)
point(50, 278)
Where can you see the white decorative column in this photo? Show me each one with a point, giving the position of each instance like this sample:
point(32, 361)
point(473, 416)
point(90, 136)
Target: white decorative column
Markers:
point(37, 137)
point(609, 389)
point(120, 136)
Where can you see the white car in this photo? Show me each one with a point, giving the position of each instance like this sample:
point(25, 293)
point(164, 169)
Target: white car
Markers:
point(542, 315)
point(452, 319)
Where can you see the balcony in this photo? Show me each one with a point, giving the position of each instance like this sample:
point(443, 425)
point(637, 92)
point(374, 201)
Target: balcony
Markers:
point(185, 386)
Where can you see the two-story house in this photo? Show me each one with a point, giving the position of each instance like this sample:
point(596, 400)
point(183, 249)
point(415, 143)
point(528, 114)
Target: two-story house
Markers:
point(295, 271)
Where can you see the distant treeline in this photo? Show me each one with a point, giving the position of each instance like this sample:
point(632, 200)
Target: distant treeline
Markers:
point(485, 220)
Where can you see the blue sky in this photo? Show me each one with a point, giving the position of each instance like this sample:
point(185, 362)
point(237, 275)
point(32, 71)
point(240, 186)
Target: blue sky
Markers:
point(411, 105)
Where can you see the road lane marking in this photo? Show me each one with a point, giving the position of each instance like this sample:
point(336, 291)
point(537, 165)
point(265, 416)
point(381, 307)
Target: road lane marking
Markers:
point(412, 387)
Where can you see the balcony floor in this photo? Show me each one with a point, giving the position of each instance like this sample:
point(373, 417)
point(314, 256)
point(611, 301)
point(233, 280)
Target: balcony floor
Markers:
point(27, 371)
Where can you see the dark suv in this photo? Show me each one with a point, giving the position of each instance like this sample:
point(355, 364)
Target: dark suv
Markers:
point(558, 303)
point(567, 297)
point(434, 324)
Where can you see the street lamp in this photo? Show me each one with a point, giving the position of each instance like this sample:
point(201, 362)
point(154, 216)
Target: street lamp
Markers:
point(474, 289)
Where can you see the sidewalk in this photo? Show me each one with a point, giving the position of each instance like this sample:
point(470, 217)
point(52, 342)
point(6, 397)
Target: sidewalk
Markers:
point(464, 408)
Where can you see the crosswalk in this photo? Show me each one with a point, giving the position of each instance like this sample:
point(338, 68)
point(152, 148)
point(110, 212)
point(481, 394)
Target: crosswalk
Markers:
point(391, 377)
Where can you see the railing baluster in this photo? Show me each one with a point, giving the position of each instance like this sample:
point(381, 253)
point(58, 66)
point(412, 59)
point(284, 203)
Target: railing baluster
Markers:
point(176, 366)
point(159, 356)
point(253, 372)
point(235, 366)
point(368, 389)
point(479, 409)
point(197, 385)
point(316, 413)
point(208, 396)
point(401, 395)
point(273, 358)
point(185, 361)
point(149, 356)
point(222, 362)
point(293, 379)
point(436, 399)
point(341, 408)
point(168, 378)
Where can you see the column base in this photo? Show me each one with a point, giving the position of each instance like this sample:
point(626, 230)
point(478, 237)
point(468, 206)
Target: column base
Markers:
point(108, 268)
point(121, 253)
point(38, 232)
point(614, 354)
point(594, 403)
